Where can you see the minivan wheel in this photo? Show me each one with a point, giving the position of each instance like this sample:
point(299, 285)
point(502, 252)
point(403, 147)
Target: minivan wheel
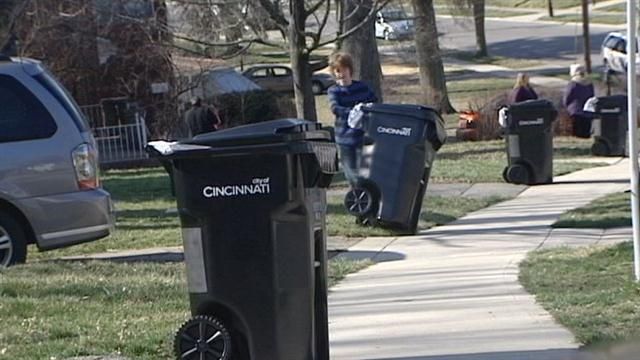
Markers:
point(13, 242)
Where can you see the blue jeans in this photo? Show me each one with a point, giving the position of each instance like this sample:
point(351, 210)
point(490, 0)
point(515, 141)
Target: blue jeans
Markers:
point(350, 162)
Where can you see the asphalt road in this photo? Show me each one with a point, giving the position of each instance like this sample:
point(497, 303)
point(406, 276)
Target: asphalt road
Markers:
point(530, 40)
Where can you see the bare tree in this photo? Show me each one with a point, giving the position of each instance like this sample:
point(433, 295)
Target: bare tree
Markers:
point(362, 44)
point(304, 40)
point(431, 68)
point(585, 35)
point(478, 20)
point(476, 9)
point(305, 26)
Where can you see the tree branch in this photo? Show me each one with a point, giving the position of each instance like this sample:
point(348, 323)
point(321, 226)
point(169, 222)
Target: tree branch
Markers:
point(370, 15)
point(316, 6)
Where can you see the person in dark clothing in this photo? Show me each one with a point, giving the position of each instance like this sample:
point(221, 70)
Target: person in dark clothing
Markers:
point(343, 97)
point(200, 119)
point(578, 91)
point(522, 90)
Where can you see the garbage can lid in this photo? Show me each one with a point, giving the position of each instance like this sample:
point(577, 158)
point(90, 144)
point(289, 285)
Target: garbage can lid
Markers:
point(406, 110)
point(529, 105)
point(532, 108)
point(268, 132)
point(611, 104)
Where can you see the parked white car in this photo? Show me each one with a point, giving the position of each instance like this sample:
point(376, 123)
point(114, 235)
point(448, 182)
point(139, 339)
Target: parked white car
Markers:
point(614, 53)
point(394, 24)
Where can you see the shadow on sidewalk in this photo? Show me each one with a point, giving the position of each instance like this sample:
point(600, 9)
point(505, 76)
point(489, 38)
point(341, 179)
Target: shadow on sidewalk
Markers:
point(375, 256)
point(552, 354)
point(576, 182)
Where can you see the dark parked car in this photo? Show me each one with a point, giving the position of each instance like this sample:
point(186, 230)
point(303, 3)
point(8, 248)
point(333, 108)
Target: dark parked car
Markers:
point(280, 78)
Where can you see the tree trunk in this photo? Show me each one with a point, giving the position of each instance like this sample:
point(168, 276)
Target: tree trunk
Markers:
point(585, 33)
point(362, 46)
point(304, 99)
point(432, 78)
point(550, 8)
point(478, 19)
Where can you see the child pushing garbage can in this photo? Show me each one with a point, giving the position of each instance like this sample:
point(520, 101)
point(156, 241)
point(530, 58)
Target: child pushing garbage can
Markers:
point(402, 141)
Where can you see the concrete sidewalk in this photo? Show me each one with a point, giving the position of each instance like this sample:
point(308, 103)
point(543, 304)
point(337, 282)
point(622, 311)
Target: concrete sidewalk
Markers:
point(453, 292)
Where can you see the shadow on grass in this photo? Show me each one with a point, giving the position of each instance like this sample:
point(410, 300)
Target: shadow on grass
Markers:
point(571, 152)
point(605, 223)
point(447, 155)
point(154, 186)
point(437, 218)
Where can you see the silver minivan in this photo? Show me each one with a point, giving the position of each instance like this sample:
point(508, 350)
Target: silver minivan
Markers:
point(50, 192)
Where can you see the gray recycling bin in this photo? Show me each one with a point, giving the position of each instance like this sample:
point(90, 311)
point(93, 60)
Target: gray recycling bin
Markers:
point(402, 141)
point(609, 126)
point(252, 207)
point(529, 140)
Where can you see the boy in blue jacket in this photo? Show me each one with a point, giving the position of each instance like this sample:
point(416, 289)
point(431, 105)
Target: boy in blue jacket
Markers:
point(343, 97)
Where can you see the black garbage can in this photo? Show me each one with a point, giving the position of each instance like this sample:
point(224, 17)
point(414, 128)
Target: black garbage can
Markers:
point(402, 141)
point(529, 135)
point(609, 126)
point(252, 207)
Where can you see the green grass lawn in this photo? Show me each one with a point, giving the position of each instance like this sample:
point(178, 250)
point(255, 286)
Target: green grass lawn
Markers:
point(57, 310)
point(484, 161)
point(142, 198)
point(622, 7)
point(613, 18)
point(539, 4)
point(489, 12)
point(514, 63)
point(606, 212)
point(589, 290)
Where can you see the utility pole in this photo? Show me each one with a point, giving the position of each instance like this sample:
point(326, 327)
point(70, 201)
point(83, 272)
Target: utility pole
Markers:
point(585, 32)
point(550, 8)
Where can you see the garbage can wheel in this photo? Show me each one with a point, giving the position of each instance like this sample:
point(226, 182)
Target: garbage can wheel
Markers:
point(518, 174)
point(203, 337)
point(600, 148)
point(359, 201)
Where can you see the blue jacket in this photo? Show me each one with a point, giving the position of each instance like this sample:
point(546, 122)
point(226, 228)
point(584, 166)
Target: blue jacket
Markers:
point(342, 99)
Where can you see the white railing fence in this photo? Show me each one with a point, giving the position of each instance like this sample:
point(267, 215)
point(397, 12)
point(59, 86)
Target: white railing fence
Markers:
point(117, 143)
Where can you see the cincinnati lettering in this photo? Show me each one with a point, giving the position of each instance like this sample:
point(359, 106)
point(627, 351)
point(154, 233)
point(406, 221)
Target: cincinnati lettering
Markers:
point(257, 187)
point(405, 131)
point(538, 121)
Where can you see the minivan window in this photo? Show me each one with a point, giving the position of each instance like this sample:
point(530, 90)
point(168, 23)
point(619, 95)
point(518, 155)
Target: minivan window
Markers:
point(68, 103)
point(22, 115)
point(394, 15)
point(611, 42)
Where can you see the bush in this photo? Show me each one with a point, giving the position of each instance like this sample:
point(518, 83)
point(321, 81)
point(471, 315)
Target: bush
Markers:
point(488, 127)
point(253, 107)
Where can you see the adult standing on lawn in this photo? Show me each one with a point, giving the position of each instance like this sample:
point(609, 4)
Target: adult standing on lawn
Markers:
point(578, 91)
point(522, 90)
point(200, 119)
point(343, 97)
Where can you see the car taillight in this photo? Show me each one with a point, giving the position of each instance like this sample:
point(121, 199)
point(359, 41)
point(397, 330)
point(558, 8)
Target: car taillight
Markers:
point(85, 162)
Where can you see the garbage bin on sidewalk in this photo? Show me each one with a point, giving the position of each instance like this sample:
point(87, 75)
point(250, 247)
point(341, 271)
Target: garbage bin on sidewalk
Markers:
point(529, 135)
point(402, 141)
point(252, 207)
point(609, 127)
